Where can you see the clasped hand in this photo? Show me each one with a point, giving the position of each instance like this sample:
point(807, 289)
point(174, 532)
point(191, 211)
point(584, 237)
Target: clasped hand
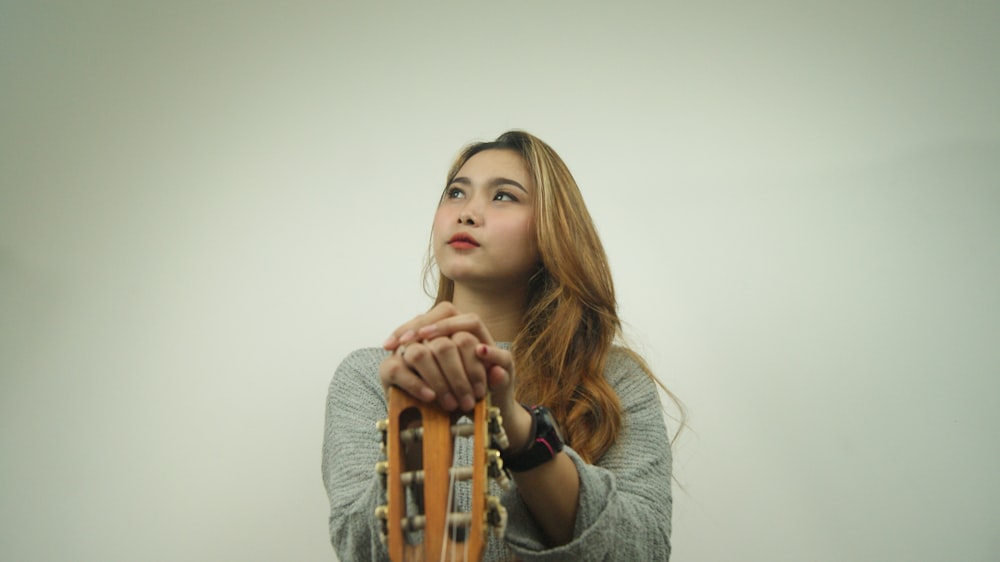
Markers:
point(449, 357)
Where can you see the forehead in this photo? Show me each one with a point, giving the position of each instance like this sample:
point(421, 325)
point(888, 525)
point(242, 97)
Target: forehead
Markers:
point(496, 163)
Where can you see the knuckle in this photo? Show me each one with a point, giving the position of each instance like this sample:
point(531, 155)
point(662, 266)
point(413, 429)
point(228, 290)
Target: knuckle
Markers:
point(417, 352)
point(440, 345)
point(464, 339)
point(477, 374)
point(387, 366)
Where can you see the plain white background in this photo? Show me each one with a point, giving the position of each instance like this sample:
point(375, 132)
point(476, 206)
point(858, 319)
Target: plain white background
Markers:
point(205, 205)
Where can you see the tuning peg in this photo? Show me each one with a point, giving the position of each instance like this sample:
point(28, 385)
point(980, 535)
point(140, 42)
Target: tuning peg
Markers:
point(496, 428)
point(496, 470)
point(383, 429)
point(382, 514)
point(382, 469)
point(496, 516)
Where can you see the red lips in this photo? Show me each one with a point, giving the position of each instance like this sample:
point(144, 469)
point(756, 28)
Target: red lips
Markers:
point(463, 240)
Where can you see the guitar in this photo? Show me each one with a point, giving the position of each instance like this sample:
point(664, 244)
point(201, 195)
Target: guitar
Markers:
point(422, 519)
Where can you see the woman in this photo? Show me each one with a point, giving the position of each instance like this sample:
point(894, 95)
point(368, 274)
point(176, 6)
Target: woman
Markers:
point(520, 263)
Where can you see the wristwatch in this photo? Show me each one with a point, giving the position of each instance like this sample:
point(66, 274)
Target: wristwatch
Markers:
point(544, 443)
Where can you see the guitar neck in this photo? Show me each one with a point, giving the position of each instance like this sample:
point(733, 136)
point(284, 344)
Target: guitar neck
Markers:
point(420, 442)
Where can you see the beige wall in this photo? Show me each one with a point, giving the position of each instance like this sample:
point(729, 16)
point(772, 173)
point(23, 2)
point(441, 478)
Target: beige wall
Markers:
point(205, 206)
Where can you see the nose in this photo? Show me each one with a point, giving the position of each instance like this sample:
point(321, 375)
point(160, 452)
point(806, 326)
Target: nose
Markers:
point(471, 212)
point(466, 218)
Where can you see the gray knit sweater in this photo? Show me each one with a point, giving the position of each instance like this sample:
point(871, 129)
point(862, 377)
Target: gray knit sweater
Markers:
point(625, 501)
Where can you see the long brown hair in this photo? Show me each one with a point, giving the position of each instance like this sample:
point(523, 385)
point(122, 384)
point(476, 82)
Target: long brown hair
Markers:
point(571, 323)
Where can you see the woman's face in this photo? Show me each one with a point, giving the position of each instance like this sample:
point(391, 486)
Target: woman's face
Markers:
point(484, 232)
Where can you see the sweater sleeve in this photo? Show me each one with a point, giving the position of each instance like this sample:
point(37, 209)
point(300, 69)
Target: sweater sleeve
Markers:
point(625, 500)
point(354, 404)
point(624, 504)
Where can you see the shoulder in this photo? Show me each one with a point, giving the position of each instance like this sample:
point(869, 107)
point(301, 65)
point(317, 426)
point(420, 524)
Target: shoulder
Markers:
point(364, 358)
point(624, 365)
point(360, 367)
point(627, 372)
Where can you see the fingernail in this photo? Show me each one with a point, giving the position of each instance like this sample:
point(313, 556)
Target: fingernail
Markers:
point(481, 349)
point(448, 402)
point(468, 403)
point(406, 336)
point(426, 394)
point(428, 330)
point(389, 341)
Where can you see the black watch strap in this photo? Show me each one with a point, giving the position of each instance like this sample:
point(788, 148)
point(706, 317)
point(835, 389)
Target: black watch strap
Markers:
point(544, 444)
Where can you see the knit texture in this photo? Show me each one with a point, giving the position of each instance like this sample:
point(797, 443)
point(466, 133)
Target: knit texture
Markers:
point(624, 505)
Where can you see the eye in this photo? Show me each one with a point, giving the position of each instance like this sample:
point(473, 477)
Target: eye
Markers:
point(453, 193)
point(504, 196)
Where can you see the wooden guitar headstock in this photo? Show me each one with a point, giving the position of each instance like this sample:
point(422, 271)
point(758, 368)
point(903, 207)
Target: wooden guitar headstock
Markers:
point(421, 520)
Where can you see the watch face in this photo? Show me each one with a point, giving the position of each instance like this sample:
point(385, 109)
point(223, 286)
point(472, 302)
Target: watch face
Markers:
point(550, 420)
point(547, 442)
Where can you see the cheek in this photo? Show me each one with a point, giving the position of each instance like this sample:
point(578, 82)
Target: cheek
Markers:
point(525, 235)
point(535, 255)
point(441, 221)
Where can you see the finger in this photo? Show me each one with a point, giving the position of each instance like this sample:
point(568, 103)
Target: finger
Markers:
point(457, 323)
point(499, 374)
point(498, 378)
point(452, 366)
point(407, 332)
point(420, 358)
point(393, 372)
point(475, 369)
point(493, 355)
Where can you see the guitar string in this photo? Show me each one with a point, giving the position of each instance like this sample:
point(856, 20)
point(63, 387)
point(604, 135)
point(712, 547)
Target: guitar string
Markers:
point(459, 455)
point(466, 534)
point(451, 490)
point(470, 529)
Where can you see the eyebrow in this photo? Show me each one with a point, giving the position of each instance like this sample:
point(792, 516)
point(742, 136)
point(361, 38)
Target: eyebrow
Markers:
point(495, 182)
